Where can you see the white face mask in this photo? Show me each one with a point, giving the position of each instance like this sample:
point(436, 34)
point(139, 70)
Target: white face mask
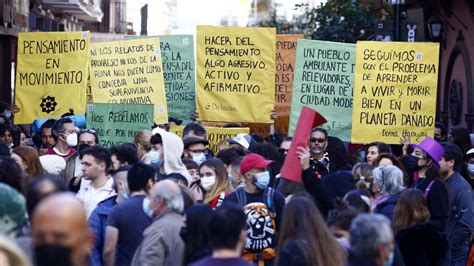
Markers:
point(208, 181)
point(71, 140)
point(199, 158)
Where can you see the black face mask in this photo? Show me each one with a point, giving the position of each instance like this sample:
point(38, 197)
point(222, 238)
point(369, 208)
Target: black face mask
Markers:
point(53, 255)
point(82, 147)
point(411, 163)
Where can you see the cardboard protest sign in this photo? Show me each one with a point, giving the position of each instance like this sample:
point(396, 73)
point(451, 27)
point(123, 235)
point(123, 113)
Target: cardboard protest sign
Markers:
point(177, 52)
point(281, 126)
point(395, 91)
point(285, 65)
point(307, 120)
point(129, 72)
point(118, 123)
point(215, 135)
point(324, 81)
point(51, 75)
point(235, 74)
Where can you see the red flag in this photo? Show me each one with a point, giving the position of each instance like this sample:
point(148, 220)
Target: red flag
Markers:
point(308, 120)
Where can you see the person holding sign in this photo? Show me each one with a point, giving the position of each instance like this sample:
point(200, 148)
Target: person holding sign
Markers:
point(328, 154)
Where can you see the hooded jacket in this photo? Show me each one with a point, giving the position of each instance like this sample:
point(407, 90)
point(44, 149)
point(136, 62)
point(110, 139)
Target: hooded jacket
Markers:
point(172, 151)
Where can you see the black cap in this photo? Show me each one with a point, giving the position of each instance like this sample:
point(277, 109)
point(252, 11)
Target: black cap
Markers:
point(193, 140)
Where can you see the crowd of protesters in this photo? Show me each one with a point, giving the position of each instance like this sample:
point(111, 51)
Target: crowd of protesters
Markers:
point(163, 199)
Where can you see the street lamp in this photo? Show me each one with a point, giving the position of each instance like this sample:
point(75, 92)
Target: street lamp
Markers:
point(397, 21)
point(435, 28)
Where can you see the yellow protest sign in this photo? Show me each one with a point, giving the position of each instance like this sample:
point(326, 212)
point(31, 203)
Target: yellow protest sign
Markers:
point(395, 91)
point(235, 74)
point(215, 135)
point(51, 75)
point(129, 72)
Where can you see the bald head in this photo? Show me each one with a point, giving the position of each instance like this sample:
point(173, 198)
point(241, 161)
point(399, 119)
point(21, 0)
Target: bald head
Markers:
point(168, 194)
point(60, 220)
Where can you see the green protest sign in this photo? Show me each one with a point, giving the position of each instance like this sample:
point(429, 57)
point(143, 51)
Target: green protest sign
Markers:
point(323, 80)
point(118, 123)
point(177, 52)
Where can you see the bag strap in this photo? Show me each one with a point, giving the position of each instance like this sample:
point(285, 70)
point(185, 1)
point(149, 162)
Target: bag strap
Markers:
point(268, 198)
point(428, 188)
point(241, 197)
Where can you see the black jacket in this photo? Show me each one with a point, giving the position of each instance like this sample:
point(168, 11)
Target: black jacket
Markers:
point(423, 244)
point(316, 189)
point(339, 158)
point(291, 255)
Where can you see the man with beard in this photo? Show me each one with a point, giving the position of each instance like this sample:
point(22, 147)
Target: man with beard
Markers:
point(96, 163)
point(328, 154)
point(87, 138)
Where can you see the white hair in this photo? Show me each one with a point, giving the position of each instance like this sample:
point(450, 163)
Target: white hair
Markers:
point(367, 233)
point(171, 195)
point(52, 164)
point(390, 177)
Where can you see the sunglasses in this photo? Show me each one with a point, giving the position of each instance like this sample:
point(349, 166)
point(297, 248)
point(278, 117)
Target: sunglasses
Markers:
point(316, 140)
point(87, 130)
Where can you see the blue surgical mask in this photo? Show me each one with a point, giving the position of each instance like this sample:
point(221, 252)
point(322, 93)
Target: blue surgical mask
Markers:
point(155, 158)
point(470, 168)
point(8, 115)
point(263, 179)
point(125, 196)
point(146, 207)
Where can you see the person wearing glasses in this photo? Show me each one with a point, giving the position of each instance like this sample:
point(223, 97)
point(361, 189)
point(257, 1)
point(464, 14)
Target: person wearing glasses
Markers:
point(195, 149)
point(328, 154)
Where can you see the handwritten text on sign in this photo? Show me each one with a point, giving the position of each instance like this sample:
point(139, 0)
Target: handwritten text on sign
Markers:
point(118, 123)
point(178, 70)
point(235, 74)
point(284, 62)
point(324, 81)
point(51, 74)
point(217, 136)
point(129, 72)
point(395, 91)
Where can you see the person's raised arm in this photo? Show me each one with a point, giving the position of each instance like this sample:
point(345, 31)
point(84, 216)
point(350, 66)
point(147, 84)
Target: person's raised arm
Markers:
point(313, 185)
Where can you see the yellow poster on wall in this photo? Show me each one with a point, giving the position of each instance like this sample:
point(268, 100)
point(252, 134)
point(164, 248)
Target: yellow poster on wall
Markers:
point(235, 74)
point(129, 72)
point(51, 75)
point(217, 136)
point(395, 91)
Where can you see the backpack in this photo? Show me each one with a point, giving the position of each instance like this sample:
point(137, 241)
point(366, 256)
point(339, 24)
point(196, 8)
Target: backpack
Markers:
point(261, 226)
